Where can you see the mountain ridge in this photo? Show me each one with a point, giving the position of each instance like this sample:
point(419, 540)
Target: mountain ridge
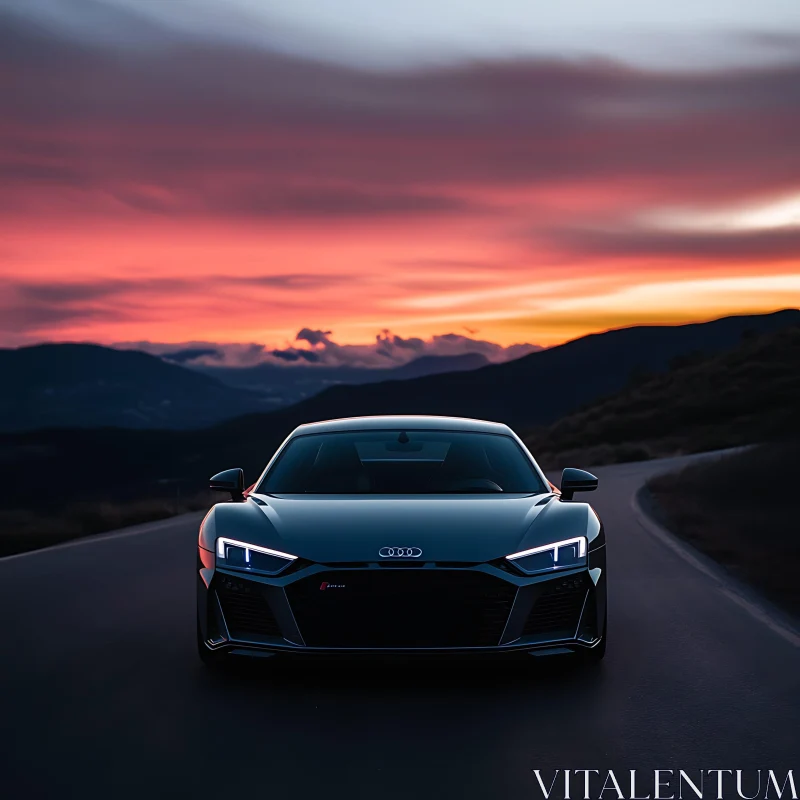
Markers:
point(286, 385)
point(89, 385)
point(124, 465)
point(539, 387)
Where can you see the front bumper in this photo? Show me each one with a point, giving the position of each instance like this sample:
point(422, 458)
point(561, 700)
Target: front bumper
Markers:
point(426, 609)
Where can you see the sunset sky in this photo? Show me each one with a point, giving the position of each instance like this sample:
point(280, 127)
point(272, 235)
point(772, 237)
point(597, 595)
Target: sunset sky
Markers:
point(237, 171)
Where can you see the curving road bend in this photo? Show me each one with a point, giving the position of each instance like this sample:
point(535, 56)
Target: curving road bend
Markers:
point(102, 694)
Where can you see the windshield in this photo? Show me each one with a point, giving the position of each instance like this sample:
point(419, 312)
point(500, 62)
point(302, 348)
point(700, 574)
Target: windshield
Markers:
point(402, 462)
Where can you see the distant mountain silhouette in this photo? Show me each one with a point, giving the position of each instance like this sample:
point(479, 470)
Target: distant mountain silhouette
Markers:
point(85, 385)
point(437, 365)
point(124, 465)
point(284, 386)
point(540, 387)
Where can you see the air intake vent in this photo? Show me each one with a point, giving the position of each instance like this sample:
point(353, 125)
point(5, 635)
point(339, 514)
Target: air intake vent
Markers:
point(246, 611)
point(558, 608)
point(402, 608)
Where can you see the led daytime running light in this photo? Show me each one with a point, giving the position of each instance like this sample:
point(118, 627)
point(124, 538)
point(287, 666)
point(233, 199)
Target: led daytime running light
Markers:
point(555, 547)
point(248, 548)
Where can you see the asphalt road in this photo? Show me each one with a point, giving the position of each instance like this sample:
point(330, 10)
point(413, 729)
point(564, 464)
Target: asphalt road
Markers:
point(102, 694)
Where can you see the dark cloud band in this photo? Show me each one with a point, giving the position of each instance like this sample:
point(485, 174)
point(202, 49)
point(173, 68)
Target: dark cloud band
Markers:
point(229, 130)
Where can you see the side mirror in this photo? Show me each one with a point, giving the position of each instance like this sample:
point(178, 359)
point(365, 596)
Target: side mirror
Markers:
point(231, 480)
point(576, 480)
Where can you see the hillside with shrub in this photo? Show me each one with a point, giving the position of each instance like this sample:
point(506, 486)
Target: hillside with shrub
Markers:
point(720, 507)
point(746, 395)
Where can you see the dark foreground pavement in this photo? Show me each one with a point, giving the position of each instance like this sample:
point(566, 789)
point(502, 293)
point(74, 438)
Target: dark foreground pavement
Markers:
point(102, 694)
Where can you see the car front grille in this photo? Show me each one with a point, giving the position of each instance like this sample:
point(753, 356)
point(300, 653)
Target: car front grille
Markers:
point(557, 610)
point(245, 608)
point(401, 608)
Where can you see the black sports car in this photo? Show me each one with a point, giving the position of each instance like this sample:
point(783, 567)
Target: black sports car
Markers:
point(401, 535)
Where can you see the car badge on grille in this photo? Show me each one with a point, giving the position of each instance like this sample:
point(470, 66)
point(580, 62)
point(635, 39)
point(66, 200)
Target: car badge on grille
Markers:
point(400, 552)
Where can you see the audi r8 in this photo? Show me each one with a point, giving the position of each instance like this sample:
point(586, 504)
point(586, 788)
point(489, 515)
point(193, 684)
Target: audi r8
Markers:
point(401, 535)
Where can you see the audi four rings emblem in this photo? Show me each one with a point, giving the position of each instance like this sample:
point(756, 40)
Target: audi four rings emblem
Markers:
point(400, 552)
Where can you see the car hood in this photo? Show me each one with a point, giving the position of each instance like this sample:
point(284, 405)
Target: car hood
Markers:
point(446, 528)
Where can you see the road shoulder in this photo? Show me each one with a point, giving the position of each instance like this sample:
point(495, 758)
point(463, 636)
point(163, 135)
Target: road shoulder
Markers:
point(750, 601)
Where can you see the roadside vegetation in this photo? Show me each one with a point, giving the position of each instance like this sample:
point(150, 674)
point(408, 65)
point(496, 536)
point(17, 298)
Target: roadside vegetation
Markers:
point(742, 511)
point(744, 396)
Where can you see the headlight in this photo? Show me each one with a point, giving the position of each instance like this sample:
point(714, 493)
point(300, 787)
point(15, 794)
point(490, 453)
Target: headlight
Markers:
point(565, 554)
point(241, 555)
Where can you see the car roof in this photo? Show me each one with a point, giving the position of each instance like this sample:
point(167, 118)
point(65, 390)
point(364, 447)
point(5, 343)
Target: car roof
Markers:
point(409, 422)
